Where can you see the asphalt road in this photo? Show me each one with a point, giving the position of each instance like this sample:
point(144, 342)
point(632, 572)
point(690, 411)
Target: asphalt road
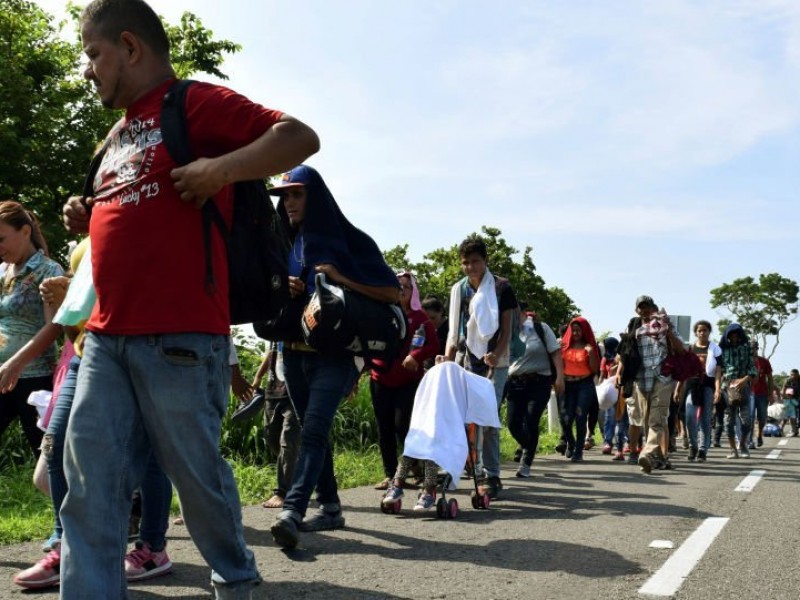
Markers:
point(573, 531)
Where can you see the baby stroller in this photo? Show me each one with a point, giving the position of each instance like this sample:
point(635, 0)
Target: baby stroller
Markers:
point(447, 399)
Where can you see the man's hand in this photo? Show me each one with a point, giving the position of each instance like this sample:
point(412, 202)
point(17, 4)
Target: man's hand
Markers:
point(199, 180)
point(239, 386)
point(558, 385)
point(74, 214)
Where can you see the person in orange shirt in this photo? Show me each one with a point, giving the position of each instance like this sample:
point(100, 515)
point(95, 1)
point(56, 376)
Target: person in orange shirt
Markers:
point(581, 363)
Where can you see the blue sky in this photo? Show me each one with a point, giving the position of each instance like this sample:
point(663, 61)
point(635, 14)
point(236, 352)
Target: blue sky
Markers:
point(639, 147)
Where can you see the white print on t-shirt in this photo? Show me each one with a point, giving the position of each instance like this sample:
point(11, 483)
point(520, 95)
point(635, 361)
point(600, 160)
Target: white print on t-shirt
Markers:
point(129, 155)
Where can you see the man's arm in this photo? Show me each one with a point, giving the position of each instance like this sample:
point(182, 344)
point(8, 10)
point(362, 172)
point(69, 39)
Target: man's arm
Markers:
point(282, 147)
point(491, 358)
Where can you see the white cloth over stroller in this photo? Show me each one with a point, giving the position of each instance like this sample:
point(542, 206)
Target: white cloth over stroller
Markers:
point(449, 397)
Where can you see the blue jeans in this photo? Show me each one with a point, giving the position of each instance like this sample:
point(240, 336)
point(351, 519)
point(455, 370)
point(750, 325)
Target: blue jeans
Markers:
point(578, 398)
point(611, 425)
point(487, 439)
point(135, 395)
point(527, 399)
point(762, 402)
point(738, 417)
point(53, 441)
point(699, 409)
point(316, 385)
point(156, 488)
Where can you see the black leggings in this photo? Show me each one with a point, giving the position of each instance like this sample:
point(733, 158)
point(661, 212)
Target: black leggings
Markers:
point(15, 404)
point(527, 399)
point(392, 406)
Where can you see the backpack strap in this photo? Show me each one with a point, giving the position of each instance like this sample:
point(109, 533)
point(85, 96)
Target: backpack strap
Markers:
point(94, 167)
point(175, 136)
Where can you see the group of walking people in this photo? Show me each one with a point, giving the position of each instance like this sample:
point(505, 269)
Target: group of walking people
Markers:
point(153, 356)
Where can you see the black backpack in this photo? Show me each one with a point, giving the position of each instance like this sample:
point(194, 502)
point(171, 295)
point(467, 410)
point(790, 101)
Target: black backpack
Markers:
point(257, 244)
point(628, 351)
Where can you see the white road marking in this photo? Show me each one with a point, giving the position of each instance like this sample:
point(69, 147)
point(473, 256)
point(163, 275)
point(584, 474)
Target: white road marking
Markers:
point(774, 454)
point(664, 544)
point(783, 443)
point(669, 578)
point(750, 482)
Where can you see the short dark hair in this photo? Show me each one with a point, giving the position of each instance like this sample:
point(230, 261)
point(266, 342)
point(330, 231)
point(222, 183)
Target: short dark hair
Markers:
point(433, 303)
point(702, 322)
point(112, 17)
point(474, 244)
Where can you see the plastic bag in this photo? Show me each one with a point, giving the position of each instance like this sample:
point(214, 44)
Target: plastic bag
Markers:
point(607, 394)
point(81, 296)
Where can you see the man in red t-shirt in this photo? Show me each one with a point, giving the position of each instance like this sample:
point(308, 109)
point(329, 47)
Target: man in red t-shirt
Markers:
point(762, 388)
point(155, 373)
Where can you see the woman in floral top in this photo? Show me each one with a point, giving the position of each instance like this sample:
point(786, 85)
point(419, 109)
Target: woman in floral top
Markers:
point(27, 349)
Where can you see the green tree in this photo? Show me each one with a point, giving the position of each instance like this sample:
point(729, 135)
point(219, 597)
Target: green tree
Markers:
point(50, 118)
point(441, 268)
point(762, 307)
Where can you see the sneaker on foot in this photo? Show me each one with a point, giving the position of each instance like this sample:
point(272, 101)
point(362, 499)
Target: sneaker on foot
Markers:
point(45, 573)
point(325, 519)
point(751, 445)
point(588, 444)
point(425, 501)
point(733, 454)
point(744, 452)
point(284, 529)
point(561, 447)
point(620, 455)
point(607, 448)
point(626, 449)
point(393, 494)
point(701, 455)
point(760, 441)
point(52, 543)
point(685, 442)
point(633, 458)
point(692, 454)
point(142, 563)
point(524, 470)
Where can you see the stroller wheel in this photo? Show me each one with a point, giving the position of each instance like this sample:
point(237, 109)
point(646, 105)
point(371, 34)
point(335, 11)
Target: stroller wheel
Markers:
point(476, 501)
point(385, 509)
point(396, 507)
point(485, 501)
point(452, 508)
point(441, 508)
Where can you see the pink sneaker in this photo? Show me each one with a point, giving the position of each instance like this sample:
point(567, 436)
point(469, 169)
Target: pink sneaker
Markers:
point(44, 573)
point(142, 563)
point(607, 448)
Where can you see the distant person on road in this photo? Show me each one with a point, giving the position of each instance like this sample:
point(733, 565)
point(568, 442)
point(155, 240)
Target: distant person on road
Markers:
point(393, 386)
point(530, 379)
point(791, 396)
point(736, 370)
point(700, 395)
point(652, 391)
point(762, 389)
point(581, 358)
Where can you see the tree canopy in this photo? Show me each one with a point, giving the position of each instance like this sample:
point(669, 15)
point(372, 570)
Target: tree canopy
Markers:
point(50, 118)
point(441, 268)
point(762, 307)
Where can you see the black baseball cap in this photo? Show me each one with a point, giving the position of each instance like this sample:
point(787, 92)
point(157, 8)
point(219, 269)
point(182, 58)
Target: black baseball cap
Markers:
point(644, 299)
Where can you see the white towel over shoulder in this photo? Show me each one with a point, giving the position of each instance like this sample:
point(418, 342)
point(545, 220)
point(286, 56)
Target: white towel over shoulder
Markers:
point(484, 315)
point(448, 397)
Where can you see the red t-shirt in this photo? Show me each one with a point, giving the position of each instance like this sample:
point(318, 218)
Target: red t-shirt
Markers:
point(763, 369)
point(147, 244)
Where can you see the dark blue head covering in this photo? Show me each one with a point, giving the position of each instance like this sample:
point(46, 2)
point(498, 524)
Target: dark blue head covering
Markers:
point(725, 343)
point(328, 237)
point(610, 345)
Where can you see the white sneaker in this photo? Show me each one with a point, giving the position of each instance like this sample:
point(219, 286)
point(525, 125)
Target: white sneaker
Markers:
point(524, 471)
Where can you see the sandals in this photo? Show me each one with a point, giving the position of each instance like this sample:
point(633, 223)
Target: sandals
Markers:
point(384, 485)
point(275, 502)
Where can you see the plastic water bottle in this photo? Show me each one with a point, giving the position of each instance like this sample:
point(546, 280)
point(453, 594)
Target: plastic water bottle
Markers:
point(527, 329)
point(418, 341)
